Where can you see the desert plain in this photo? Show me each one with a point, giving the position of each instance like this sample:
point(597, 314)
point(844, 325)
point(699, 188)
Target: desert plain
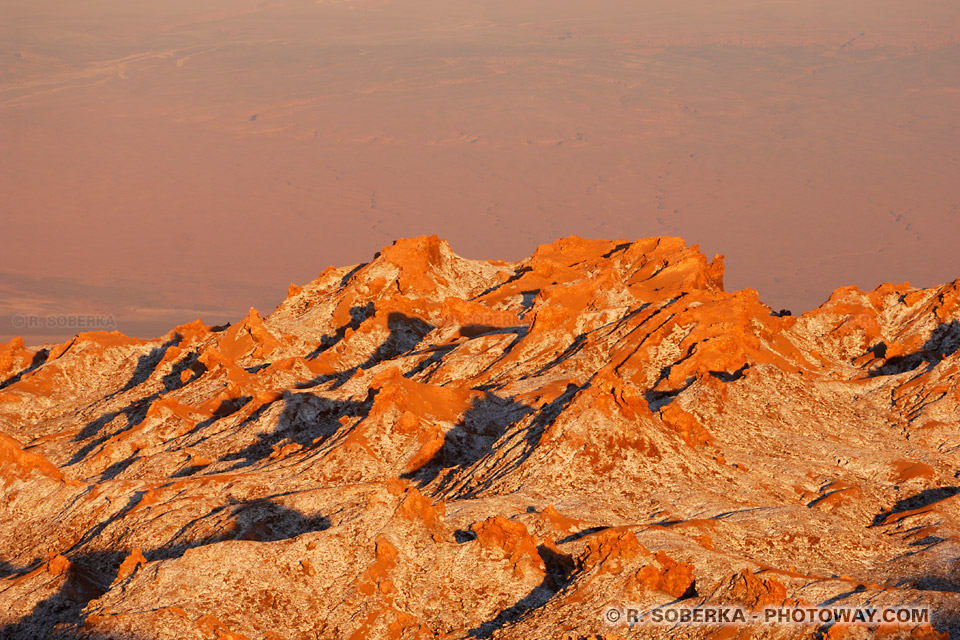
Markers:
point(168, 161)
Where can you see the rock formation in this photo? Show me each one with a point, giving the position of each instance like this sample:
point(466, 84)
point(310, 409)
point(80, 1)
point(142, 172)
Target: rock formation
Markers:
point(426, 446)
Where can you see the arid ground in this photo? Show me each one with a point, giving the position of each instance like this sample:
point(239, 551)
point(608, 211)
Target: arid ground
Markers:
point(164, 161)
point(428, 447)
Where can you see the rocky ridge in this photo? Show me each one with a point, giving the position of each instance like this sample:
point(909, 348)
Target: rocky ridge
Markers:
point(426, 446)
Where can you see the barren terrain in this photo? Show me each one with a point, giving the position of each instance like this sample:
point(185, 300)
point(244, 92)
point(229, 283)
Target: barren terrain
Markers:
point(146, 146)
point(426, 446)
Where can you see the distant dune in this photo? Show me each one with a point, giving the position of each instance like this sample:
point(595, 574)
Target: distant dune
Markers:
point(148, 146)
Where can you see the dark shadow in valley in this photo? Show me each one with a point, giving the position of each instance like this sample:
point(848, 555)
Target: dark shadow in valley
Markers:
point(948, 579)
point(260, 520)
point(943, 342)
point(91, 573)
point(294, 425)
point(147, 364)
point(225, 410)
point(136, 411)
point(544, 418)
point(477, 330)
point(519, 273)
point(462, 536)
point(583, 339)
point(840, 597)
point(190, 362)
point(659, 399)
point(578, 343)
point(728, 376)
point(60, 615)
point(583, 533)
point(437, 354)
point(472, 438)
point(623, 246)
point(404, 334)
point(475, 437)
point(349, 275)
point(946, 584)
point(357, 316)
point(39, 358)
point(559, 572)
point(306, 420)
point(919, 500)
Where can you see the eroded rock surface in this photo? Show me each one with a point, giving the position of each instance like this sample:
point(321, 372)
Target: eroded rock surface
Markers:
point(426, 446)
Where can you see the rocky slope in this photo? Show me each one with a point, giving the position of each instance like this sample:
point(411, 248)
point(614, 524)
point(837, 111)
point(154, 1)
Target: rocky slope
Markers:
point(426, 446)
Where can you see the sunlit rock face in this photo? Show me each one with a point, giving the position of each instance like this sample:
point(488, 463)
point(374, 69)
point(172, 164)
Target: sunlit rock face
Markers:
point(425, 446)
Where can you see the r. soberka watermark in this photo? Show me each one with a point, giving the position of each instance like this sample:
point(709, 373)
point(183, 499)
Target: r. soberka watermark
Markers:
point(496, 319)
point(723, 614)
point(71, 322)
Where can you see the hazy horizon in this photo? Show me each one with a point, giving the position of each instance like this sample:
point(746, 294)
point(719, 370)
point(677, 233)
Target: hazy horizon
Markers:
point(167, 162)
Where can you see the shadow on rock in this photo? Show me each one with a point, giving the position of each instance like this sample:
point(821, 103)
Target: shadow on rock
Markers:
point(357, 315)
point(473, 437)
point(306, 419)
point(943, 342)
point(91, 574)
point(60, 615)
point(39, 358)
point(920, 500)
point(559, 572)
point(260, 520)
point(405, 333)
point(147, 364)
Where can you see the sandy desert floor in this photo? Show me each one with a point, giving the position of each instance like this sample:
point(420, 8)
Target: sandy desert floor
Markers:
point(163, 161)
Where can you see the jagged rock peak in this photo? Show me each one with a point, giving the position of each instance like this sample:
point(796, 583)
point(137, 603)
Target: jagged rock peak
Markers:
point(427, 446)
